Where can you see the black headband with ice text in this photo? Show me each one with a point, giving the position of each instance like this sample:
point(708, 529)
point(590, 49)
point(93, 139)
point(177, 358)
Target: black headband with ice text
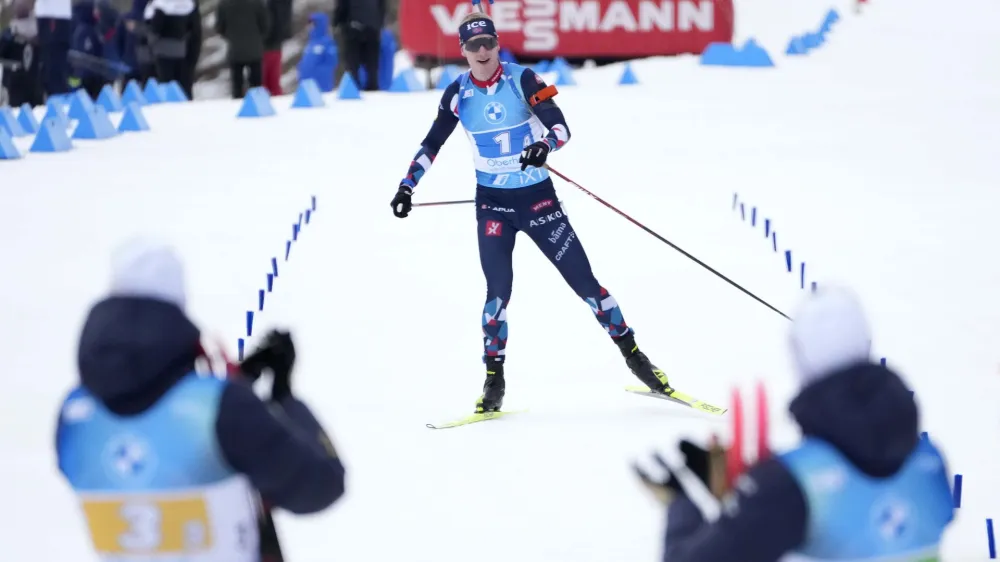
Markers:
point(481, 26)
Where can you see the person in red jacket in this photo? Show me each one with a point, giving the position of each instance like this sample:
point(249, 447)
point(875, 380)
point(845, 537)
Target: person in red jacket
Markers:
point(280, 31)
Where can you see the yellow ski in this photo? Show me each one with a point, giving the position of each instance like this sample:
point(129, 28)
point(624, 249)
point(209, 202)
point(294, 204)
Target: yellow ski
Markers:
point(680, 398)
point(473, 418)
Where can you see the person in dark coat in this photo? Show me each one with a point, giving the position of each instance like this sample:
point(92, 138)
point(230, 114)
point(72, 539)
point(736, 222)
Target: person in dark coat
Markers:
point(136, 52)
point(193, 51)
point(143, 420)
point(862, 485)
point(360, 23)
point(86, 49)
point(280, 31)
point(170, 25)
point(110, 30)
point(22, 76)
point(55, 33)
point(244, 24)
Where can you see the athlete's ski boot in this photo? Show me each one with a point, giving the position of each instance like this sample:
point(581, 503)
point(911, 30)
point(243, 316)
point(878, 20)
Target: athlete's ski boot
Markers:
point(642, 367)
point(493, 388)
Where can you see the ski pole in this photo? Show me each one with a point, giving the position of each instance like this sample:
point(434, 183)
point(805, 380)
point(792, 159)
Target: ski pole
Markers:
point(479, 4)
point(433, 203)
point(664, 240)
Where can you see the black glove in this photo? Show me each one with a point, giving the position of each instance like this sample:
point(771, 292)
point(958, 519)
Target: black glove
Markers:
point(401, 205)
point(276, 354)
point(535, 154)
point(705, 464)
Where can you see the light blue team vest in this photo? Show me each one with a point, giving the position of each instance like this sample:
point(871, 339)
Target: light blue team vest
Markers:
point(855, 517)
point(156, 483)
point(500, 124)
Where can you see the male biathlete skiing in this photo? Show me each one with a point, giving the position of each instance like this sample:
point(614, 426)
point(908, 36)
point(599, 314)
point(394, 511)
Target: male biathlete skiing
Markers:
point(507, 110)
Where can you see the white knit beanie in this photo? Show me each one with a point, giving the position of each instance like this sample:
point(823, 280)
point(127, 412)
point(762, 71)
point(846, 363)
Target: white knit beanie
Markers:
point(829, 332)
point(144, 267)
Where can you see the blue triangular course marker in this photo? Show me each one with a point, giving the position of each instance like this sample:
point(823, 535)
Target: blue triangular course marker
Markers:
point(9, 123)
point(104, 121)
point(628, 77)
point(95, 126)
point(308, 94)
point(406, 81)
point(153, 91)
point(413, 81)
point(110, 100)
point(719, 54)
point(448, 75)
point(754, 55)
point(565, 77)
point(80, 105)
point(796, 47)
point(26, 118)
point(257, 103)
point(51, 137)
point(133, 120)
point(7, 149)
point(399, 84)
point(173, 93)
point(61, 99)
point(133, 94)
point(542, 67)
point(812, 40)
point(558, 64)
point(55, 111)
point(348, 88)
point(831, 18)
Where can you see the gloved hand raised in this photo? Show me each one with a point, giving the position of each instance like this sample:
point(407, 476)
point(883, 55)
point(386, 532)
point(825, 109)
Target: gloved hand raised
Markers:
point(276, 353)
point(708, 465)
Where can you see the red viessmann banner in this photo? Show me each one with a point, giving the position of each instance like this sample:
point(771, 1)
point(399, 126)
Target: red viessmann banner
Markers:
point(573, 28)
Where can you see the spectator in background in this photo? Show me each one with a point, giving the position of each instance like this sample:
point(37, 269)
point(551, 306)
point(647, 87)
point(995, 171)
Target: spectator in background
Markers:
point(387, 58)
point(169, 26)
point(19, 46)
point(193, 51)
point(319, 58)
point(244, 24)
point(281, 29)
point(360, 22)
point(136, 52)
point(86, 49)
point(111, 32)
point(55, 32)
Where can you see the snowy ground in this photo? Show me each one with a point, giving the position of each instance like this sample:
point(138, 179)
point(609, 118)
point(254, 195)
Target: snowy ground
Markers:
point(875, 157)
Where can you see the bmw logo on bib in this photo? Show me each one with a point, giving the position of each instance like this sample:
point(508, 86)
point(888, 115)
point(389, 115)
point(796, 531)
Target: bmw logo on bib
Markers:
point(495, 112)
point(128, 458)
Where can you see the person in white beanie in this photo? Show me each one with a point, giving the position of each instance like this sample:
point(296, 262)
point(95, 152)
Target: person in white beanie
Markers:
point(170, 24)
point(153, 450)
point(862, 484)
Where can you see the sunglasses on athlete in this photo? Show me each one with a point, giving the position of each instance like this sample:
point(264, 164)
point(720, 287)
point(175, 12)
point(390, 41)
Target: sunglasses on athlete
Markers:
point(473, 45)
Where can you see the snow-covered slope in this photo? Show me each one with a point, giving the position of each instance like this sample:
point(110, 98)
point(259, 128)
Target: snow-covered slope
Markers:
point(873, 156)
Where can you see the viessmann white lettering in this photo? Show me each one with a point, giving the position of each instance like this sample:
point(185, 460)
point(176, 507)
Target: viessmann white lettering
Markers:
point(541, 20)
